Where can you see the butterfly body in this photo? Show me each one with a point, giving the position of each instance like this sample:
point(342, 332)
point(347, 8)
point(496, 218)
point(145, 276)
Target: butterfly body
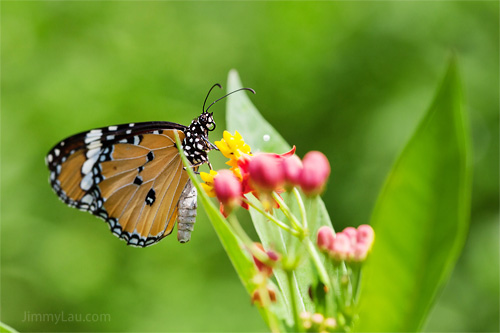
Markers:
point(132, 176)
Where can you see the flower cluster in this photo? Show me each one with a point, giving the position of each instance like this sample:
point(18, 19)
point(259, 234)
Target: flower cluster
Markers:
point(265, 176)
point(263, 173)
point(352, 245)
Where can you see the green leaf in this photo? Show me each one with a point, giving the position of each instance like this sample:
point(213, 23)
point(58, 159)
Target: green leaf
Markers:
point(420, 219)
point(6, 328)
point(243, 117)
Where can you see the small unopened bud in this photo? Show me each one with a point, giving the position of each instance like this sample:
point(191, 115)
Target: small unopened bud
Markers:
point(227, 189)
point(266, 173)
point(266, 268)
point(360, 252)
point(365, 234)
point(315, 173)
point(365, 239)
point(317, 318)
point(292, 167)
point(341, 247)
point(257, 299)
point(325, 238)
point(305, 317)
point(330, 323)
point(352, 233)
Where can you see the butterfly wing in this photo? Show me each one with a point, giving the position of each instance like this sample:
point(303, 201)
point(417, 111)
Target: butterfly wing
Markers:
point(130, 175)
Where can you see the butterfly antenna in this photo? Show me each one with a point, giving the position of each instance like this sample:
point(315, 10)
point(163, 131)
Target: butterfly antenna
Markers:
point(232, 92)
point(215, 85)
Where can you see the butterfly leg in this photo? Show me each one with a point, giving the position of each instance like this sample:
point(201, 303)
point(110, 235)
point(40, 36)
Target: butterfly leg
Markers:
point(197, 165)
point(210, 145)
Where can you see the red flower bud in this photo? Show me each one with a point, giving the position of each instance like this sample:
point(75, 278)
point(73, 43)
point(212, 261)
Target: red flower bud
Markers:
point(315, 173)
point(227, 189)
point(264, 267)
point(265, 172)
point(292, 167)
point(325, 238)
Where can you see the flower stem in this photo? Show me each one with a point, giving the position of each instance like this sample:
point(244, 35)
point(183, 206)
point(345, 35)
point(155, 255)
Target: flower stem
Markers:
point(302, 208)
point(293, 300)
point(242, 235)
point(288, 213)
point(317, 262)
point(262, 286)
point(272, 218)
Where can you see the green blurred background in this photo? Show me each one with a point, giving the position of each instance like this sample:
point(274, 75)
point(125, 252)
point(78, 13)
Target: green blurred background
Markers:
point(349, 79)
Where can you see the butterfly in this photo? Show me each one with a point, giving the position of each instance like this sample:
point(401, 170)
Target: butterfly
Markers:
point(132, 176)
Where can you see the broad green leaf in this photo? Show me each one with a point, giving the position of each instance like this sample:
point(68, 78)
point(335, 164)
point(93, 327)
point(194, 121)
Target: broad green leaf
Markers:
point(420, 219)
point(242, 116)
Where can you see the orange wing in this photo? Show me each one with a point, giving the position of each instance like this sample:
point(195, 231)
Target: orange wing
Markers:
point(134, 183)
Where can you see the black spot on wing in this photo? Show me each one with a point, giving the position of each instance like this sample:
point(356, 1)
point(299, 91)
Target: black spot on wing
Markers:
point(150, 197)
point(138, 180)
point(150, 156)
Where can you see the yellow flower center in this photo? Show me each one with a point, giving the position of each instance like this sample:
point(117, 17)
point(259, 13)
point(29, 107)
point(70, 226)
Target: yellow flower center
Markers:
point(208, 184)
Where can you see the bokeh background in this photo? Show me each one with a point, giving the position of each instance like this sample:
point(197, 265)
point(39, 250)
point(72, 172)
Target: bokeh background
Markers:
point(351, 79)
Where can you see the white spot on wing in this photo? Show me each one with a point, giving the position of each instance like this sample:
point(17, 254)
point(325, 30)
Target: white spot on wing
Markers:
point(94, 145)
point(86, 182)
point(93, 135)
point(92, 152)
point(88, 164)
point(87, 199)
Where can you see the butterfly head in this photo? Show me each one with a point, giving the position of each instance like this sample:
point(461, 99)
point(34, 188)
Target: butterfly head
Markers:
point(206, 120)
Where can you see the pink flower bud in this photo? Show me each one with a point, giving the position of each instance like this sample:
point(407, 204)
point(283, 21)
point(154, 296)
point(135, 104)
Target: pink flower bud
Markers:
point(325, 238)
point(360, 252)
point(341, 247)
point(266, 173)
point(315, 173)
point(366, 235)
point(227, 189)
point(352, 233)
point(292, 167)
point(365, 238)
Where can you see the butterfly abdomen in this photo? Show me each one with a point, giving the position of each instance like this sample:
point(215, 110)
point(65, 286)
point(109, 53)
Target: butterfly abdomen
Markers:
point(187, 212)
